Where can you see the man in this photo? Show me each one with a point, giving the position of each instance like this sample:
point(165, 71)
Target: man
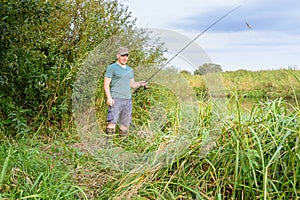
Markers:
point(118, 81)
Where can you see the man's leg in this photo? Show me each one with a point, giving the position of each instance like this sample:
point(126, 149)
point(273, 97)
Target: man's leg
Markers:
point(112, 117)
point(125, 117)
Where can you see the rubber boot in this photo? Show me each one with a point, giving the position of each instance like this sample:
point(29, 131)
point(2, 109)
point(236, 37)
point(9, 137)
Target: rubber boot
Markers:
point(110, 131)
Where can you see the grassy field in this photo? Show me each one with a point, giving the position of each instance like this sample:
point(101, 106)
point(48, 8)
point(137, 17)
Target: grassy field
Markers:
point(256, 84)
point(253, 155)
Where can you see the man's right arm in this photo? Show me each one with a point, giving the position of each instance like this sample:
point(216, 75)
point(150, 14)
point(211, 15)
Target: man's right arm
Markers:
point(107, 81)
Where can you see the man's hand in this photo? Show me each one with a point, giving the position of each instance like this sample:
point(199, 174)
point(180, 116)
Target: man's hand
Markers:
point(143, 83)
point(110, 102)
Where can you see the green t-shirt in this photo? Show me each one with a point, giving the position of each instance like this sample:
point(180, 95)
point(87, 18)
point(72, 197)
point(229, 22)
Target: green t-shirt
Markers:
point(120, 80)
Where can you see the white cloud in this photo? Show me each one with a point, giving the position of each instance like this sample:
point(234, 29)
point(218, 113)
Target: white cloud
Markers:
point(252, 50)
point(161, 13)
point(273, 42)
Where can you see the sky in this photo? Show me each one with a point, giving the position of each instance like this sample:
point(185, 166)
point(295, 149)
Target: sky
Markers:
point(271, 41)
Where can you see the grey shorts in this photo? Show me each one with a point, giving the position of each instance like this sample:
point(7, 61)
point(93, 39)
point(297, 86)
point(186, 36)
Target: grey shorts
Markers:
point(121, 112)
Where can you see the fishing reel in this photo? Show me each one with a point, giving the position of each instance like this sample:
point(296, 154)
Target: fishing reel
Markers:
point(146, 87)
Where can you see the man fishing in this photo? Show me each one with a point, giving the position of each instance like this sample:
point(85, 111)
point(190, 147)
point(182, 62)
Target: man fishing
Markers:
point(118, 81)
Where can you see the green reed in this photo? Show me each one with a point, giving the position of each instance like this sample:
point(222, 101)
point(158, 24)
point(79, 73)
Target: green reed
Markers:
point(256, 157)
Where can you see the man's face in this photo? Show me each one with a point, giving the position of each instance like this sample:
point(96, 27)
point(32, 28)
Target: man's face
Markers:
point(123, 59)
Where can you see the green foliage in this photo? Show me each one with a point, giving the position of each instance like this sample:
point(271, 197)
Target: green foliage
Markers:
point(158, 98)
point(42, 47)
point(33, 67)
point(15, 122)
point(31, 170)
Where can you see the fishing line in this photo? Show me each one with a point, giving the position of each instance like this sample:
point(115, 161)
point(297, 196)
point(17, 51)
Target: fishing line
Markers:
point(187, 45)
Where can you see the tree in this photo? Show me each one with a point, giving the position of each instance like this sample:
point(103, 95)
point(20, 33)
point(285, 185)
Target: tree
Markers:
point(208, 68)
point(185, 72)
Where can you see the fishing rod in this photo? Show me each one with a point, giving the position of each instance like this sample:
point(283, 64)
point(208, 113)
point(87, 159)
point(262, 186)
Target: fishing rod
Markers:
point(172, 58)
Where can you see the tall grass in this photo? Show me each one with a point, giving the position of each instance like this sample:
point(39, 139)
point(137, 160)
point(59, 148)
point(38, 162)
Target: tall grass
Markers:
point(33, 172)
point(256, 157)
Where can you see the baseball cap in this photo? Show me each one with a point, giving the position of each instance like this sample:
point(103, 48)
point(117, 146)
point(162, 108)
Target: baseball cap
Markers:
point(123, 51)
